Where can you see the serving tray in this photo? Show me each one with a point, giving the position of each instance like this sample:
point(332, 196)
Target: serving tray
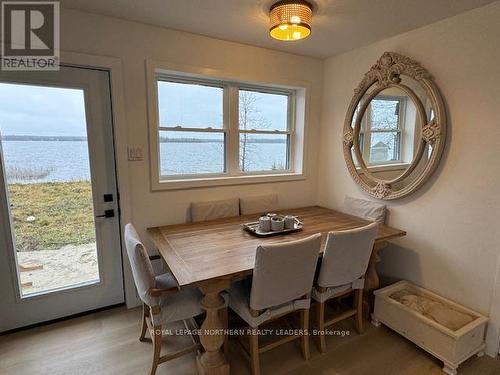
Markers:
point(253, 228)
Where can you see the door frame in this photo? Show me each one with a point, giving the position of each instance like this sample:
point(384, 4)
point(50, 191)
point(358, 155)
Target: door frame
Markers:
point(120, 134)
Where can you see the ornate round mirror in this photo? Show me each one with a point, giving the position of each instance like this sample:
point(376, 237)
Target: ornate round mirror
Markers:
point(395, 129)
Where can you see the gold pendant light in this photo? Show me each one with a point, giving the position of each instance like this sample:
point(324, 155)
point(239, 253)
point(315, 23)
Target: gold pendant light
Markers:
point(290, 20)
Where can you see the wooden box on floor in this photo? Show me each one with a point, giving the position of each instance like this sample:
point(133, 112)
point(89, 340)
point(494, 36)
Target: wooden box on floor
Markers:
point(451, 346)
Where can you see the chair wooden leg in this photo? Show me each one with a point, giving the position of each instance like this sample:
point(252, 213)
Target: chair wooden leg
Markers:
point(254, 352)
point(304, 317)
point(224, 317)
point(145, 313)
point(321, 326)
point(156, 338)
point(358, 304)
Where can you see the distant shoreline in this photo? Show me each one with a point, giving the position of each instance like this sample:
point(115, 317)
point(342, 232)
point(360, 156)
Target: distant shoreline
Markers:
point(42, 138)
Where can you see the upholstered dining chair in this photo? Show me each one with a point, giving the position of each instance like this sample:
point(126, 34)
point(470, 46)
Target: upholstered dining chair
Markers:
point(365, 209)
point(259, 204)
point(373, 211)
point(281, 284)
point(211, 210)
point(343, 266)
point(163, 302)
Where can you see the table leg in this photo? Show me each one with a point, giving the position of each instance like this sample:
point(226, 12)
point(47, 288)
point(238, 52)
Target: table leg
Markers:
point(212, 361)
point(372, 281)
point(371, 278)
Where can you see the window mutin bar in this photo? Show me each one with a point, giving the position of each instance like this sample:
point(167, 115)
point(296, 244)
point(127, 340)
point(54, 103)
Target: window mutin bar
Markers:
point(196, 130)
point(270, 132)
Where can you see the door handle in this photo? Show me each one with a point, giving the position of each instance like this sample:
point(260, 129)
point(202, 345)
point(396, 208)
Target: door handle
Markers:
point(107, 214)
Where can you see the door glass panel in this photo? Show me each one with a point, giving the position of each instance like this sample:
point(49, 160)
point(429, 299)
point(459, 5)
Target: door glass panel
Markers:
point(47, 171)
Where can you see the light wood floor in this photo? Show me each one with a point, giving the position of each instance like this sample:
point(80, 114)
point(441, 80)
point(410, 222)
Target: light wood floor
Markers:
point(107, 343)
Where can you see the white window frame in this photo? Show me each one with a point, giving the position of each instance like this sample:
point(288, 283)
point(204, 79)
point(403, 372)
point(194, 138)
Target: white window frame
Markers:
point(366, 131)
point(232, 175)
point(224, 130)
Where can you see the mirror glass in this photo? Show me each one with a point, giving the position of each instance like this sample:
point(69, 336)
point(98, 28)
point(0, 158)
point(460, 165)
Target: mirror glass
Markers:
point(390, 131)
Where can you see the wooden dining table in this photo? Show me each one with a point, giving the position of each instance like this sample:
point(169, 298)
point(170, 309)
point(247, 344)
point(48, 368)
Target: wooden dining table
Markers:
point(210, 255)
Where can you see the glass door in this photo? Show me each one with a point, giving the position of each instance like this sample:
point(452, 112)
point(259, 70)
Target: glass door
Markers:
point(59, 196)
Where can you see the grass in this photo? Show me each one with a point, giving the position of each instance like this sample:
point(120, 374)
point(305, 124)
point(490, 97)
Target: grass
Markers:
point(63, 213)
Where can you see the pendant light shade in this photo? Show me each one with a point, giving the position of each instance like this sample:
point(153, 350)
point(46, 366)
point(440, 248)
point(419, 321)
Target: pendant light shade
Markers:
point(290, 20)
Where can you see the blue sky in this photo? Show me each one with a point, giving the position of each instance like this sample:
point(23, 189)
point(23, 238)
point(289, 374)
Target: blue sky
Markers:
point(36, 110)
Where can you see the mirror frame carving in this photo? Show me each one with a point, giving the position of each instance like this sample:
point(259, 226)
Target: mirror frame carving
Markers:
point(386, 73)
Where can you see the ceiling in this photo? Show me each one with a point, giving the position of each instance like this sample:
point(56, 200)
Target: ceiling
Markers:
point(338, 25)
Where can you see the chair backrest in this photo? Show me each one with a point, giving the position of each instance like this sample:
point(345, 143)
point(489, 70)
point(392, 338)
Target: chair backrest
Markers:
point(365, 209)
point(203, 211)
point(284, 272)
point(346, 255)
point(142, 269)
point(260, 204)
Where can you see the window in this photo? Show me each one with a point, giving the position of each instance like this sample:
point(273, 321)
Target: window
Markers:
point(216, 129)
point(380, 136)
point(192, 135)
point(264, 134)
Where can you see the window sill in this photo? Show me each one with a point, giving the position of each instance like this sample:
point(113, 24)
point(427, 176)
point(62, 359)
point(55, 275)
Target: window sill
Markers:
point(193, 183)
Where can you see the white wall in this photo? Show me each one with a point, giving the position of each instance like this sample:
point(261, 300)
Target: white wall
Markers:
point(453, 238)
point(133, 43)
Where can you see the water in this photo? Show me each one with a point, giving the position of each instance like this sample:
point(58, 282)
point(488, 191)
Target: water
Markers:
point(193, 158)
point(51, 161)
